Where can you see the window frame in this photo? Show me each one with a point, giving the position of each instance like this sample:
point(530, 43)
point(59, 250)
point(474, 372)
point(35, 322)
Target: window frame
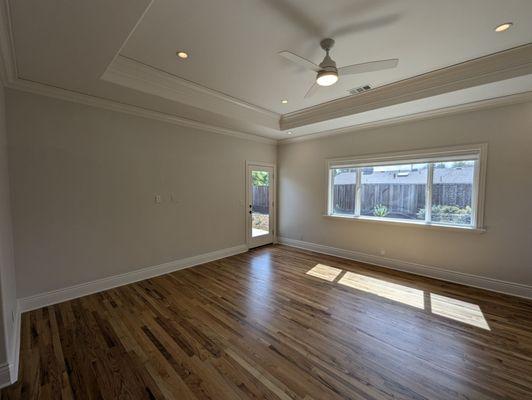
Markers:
point(478, 152)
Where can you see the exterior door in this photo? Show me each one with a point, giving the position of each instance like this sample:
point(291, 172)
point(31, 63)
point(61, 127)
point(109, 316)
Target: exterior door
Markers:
point(260, 213)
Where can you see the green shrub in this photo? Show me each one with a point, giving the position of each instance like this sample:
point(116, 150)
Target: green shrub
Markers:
point(380, 210)
point(446, 213)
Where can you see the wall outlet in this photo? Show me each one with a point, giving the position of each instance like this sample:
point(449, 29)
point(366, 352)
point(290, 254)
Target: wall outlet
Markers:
point(382, 252)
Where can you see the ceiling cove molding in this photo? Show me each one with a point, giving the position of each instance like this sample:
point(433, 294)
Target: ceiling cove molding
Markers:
point(68, 95)
point(136, 75)
point(9, 78)
point(494, 67)
point(440, 112)
point(131, 32)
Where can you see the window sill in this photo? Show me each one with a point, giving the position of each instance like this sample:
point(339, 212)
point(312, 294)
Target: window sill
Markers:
point(413, 224)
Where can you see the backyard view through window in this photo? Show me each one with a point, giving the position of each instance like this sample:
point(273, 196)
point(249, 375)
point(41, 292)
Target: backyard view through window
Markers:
point(439, 192)
point(343, 195)
point(260, 210)
point(452, 186)
point(396, 191)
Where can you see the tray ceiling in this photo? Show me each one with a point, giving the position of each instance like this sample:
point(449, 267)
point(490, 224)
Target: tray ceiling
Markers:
point(233, 44)
point(124, 51)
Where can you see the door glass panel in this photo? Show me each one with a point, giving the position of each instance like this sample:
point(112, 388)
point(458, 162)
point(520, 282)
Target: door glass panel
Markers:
point(260, 203)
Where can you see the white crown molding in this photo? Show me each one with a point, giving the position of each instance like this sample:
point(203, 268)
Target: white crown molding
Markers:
point(68, 95)
point(83, 289)
point(136, 75)
point(494, 67)
point(440, 112)
point(494, 285)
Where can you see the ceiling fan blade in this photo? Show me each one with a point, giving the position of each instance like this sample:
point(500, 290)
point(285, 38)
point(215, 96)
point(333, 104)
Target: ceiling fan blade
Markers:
point(312, 90)
point(368, 67)
point(302, 62)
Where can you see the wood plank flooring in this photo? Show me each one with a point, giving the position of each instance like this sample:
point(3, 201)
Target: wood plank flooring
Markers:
point(258, 326)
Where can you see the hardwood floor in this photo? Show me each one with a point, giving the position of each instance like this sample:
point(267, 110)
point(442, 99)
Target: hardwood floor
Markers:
point(258, 326)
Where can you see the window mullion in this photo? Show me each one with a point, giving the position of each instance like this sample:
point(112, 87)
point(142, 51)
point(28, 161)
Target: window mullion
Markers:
point(474, 195)
point(357, 192)
point(428, 193)
point(330, 192)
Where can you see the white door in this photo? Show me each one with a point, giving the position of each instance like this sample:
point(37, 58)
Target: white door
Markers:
point(260, 213)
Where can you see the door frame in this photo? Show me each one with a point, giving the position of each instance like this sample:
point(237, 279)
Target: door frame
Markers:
point(273, 188)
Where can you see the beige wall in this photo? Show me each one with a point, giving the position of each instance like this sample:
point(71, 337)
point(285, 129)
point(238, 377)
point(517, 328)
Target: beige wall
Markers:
point(7, 267)
point(83, 182)
point(504, 252)
point(83, 187)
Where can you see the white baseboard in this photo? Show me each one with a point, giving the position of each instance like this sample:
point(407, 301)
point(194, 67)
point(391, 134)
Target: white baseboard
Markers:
point(9, 370)
point(83, 289)
point(514, 289)
point(5, 375)
point(15, 355)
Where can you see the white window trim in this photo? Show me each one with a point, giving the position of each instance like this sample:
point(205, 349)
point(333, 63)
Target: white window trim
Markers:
point(417, 156)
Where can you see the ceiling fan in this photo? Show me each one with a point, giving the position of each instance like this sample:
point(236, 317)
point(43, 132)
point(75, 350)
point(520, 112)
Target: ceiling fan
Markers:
point(328, 73)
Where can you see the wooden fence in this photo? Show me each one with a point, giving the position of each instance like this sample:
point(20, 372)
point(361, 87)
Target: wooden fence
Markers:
point(401, 200)
point(261, 199)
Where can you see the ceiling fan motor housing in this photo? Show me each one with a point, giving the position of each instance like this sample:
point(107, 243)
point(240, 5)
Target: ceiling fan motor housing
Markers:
point(327, 44)
point(328, 63)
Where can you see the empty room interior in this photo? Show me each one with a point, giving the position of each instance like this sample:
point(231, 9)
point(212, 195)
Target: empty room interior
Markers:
point(266, 199)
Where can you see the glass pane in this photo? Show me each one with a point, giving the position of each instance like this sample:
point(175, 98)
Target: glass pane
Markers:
point(394, 191)
point(343, 190)
point(452, 188)
point(260, 203)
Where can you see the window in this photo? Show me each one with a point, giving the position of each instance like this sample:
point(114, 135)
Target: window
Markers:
point(395, 191)
point(452, 189)
point(436, 187)
point(343, 193)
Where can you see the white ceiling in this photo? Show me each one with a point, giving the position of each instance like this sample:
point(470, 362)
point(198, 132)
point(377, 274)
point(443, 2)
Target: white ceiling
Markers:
point(233, 46)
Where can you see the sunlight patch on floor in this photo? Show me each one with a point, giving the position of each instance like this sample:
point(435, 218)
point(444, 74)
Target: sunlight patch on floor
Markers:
point(324, 272)
point(458, 310)
point(392, 291)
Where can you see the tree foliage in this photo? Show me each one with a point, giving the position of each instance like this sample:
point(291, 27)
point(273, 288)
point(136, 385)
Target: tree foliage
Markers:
point(260, 178)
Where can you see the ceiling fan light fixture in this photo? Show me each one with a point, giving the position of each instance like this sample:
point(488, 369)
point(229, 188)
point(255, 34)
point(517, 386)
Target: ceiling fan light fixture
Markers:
point(327, 78)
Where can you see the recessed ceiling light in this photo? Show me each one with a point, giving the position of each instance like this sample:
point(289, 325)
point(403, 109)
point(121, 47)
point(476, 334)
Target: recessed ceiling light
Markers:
point(284, 101)
point(182, 54)
point(289, 132)
point(504, 27)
